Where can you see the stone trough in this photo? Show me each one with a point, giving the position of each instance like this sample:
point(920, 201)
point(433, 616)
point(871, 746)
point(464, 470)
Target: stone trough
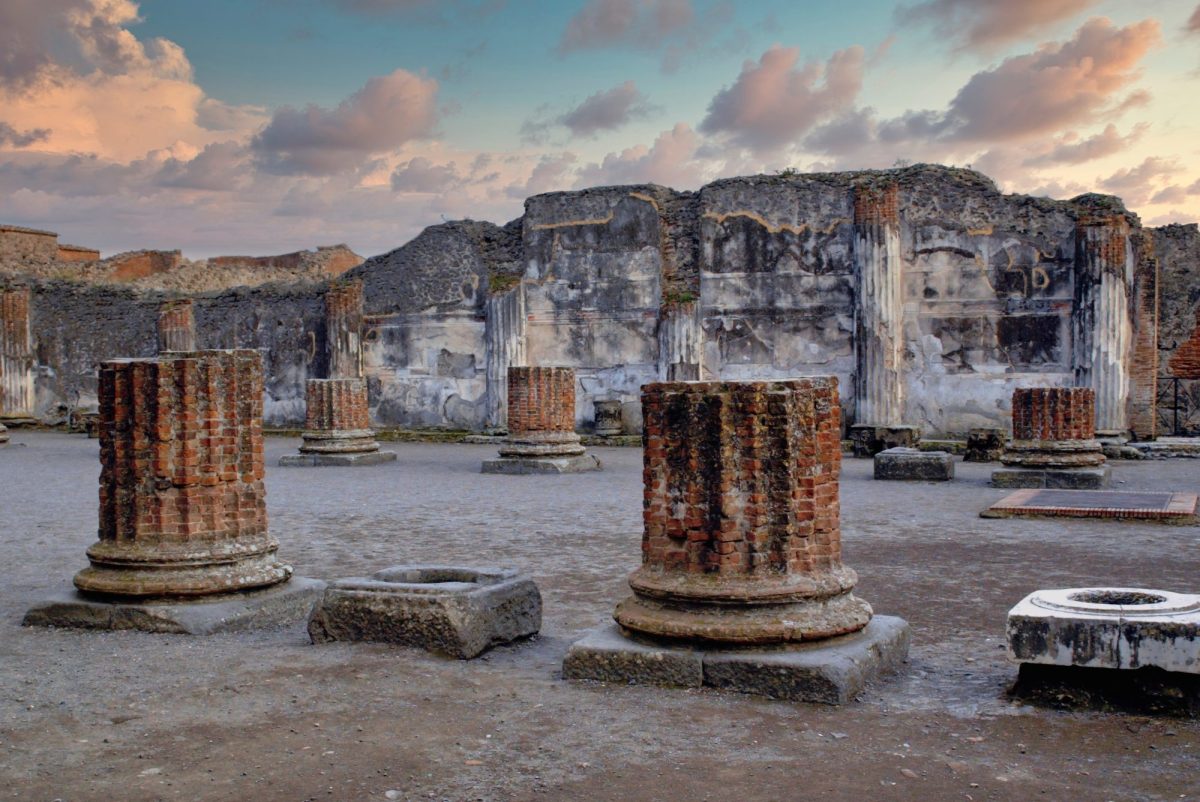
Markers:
point(461, 612)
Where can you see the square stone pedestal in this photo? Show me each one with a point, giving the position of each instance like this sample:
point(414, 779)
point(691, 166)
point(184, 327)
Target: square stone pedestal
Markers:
point(278, 605)
point(532, 465)
point(335, 460)
point(831, 671)
point(1066, 478)
point(914, 465)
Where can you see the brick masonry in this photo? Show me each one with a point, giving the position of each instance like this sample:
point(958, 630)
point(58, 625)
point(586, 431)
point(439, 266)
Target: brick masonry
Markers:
point(1185, 362)
point(877, 205)
point(182, 502)
point(1054, 413)
point(541, 400)
point(344, 328)
point(1143, 364)
point(337, 405)
point(176, 326)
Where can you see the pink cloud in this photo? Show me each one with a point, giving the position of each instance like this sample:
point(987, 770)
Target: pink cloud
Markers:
point(774, 101)
point(1070, 149)
point(670, 161)
point(642, 23)
point(1136, 184)
point(988, 24)
point(387, 112)
point(1193, 23)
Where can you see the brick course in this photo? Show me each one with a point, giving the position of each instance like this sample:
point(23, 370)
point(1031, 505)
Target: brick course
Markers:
point(337, 405)
point(1054, 413)
point(541, 400)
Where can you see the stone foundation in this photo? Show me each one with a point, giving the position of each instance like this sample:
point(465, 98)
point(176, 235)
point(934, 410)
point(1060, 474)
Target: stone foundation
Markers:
point(541, 425)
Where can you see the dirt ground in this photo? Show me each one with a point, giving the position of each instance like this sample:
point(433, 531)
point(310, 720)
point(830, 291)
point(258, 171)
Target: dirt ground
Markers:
point(267, 716)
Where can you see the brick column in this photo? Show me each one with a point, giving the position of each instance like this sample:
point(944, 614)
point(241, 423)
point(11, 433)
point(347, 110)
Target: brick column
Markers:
point(742, 538)
point(343, 328)
point(182, 503)
point(1101, 322)
point(336, 420)
point(176, 326)
point(879, 329)
point(1053, 427)
point(541, 413)
point(16, 354)
point(1143, 361)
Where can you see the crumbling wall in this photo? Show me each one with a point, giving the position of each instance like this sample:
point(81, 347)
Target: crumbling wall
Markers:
point(19, 244)
point(1177, 249)
point(77, 253)
point(141, 264)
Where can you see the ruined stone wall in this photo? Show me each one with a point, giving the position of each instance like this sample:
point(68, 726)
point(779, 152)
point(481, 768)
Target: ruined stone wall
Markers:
point(1177, 250)
point(77, 253)
point(27, 244)
point(141, 264)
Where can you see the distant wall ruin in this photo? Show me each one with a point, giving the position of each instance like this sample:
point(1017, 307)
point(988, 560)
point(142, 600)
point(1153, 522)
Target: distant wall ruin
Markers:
point(747, 278)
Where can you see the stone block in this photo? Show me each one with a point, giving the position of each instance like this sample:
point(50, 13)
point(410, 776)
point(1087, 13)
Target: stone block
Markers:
point(914, 465)
point(985, 445)
point(1066, 478)
point(829, 671)
point(233, 612)
point(536, 465)
point(461, 612)
point(868, 440)
point(336, 460)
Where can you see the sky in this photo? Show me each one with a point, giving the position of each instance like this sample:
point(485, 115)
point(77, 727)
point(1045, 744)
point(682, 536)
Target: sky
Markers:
point(268, 126)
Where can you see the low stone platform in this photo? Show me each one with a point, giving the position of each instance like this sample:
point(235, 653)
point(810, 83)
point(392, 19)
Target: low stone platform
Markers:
point(336, 460)
point(1169, 447)
point(1176, 508)
point(461, 612)
point(234, 612)
point(913, 464)
point(832, 671)
point(1066, 478)
point(542, 465)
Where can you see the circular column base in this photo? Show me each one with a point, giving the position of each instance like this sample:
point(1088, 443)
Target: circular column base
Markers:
point(542, 444)
point(1053, 454)
point(339, 441)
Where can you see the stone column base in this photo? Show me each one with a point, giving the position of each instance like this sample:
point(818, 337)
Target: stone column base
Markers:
point(1070, 478)
point(869, 439)
point(3, 434)
point(548, 464)
point(276, 606)
point(337, 448)
point(831, 671)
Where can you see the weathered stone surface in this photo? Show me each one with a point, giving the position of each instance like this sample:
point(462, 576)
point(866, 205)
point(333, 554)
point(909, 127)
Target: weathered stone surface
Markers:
point(335, 460)
point(3, 434)
point(523, 466)
point(914, 464)
point(278, 605)
point(985, 445)
point(608, 418)
point(868, 440)
point(1066, 478)
point(831, 671)
point(453, 610)
point(1120, 628)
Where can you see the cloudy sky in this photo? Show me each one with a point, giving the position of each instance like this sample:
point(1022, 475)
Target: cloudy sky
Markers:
point(264, 126)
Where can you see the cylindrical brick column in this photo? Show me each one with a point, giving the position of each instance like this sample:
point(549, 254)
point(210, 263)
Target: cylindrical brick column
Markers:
point(176, 326)
point(1053, 427)
point(337, 419)
point(182, 503)
point(879, 311)
point(343, 328)
point(1103, 330)
point(742, 537)
point(541, 413)
point(16, 354)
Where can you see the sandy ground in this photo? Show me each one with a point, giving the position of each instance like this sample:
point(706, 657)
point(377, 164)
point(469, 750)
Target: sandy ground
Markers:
point(268, 716)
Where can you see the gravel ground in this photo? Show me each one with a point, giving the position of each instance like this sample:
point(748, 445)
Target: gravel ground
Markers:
point(268, 716)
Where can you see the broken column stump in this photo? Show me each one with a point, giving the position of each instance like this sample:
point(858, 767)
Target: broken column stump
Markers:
point(1054, 441)
point(608, 418)
point(985, 445)
point(183, 545)
point(337, 428)
point(742, 584)
point(176, 326)
point(541, 425)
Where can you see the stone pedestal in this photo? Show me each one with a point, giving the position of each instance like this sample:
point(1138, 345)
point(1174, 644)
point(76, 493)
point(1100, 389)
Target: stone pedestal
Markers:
point(608, 418)
point(912, 464)
point(1054, 442)
point(541, 425)
point(182, 502)
point(985, 445)
point(337, 427)
point(868, 440)
point(176, 326)
point(3, 435)
point(742, 546)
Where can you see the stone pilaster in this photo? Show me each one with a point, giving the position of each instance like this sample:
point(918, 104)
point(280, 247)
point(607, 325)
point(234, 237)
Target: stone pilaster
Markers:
point(1101, 322)
point(541, 424)
point(337, 429)
point(16, 354)
point(742, 537)
point(182, 502)
point(879, 311)
point(680, 342)
point(504, 335)
point(176, 326)
point(344, 328)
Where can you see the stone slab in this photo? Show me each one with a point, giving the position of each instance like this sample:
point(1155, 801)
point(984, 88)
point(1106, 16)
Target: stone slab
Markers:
point(832, 671)
point(912, 464)
point(235, 612)
point(1147, 691)
point(453, 610)
point(1066, 478)
point(1175, 508)
point(336, 460)
point(542, 465)
point(1116, 628)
